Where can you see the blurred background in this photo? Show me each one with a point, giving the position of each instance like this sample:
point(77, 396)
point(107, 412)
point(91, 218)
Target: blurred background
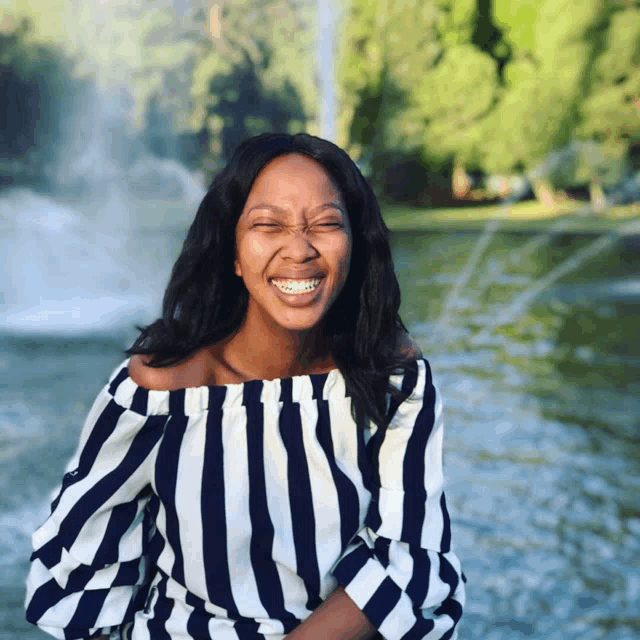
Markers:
point(502, 138)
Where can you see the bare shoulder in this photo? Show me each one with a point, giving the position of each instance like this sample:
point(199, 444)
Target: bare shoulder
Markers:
point(410, 348)
point(190, 373)
point(152, 378)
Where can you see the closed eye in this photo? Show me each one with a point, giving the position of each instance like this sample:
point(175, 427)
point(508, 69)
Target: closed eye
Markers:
point(324, 224)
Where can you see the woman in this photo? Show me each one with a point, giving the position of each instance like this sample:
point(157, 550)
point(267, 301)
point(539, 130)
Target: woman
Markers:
point(268, 461)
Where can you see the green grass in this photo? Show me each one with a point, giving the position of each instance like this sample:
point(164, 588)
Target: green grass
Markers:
point(529, 215)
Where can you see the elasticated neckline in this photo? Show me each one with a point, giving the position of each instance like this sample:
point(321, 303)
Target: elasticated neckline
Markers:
point(194, 400)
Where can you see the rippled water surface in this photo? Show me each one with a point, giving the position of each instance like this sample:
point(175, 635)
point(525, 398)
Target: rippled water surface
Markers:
point(542, 433)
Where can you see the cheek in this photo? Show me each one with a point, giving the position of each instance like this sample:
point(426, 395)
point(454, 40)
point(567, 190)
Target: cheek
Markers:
point(258, 248)
point(252, 255)
point(345, 258)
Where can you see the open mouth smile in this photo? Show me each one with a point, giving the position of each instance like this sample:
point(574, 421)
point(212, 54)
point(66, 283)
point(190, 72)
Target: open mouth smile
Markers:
point(296, 287)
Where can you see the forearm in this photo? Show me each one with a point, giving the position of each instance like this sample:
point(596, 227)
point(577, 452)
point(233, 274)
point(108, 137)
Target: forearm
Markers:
point(337, 618)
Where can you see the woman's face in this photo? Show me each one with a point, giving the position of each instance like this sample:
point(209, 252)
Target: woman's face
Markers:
point(293, 243)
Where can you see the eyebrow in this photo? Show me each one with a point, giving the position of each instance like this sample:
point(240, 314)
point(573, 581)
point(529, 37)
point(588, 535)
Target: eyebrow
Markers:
point(276, 209)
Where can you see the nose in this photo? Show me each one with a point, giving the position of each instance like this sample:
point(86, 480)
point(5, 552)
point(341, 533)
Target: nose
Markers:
point(297, 245)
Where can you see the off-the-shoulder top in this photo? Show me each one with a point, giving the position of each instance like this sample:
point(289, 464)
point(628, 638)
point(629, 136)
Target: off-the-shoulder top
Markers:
point(230, 512)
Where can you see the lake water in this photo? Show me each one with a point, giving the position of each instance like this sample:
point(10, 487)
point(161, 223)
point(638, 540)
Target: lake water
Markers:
point(542, 437)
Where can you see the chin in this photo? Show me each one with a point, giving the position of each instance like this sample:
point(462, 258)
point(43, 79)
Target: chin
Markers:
point(300, 325)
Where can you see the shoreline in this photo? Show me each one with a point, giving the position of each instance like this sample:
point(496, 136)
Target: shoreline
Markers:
point(523, 217)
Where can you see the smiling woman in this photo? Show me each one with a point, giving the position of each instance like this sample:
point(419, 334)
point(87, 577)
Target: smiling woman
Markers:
point(268, 463)
point(293, 249)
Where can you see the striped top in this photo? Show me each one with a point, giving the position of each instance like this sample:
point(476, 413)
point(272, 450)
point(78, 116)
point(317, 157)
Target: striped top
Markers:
point(230, 512)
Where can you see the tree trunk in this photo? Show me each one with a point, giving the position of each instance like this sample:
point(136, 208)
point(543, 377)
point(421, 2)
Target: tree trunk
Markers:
point(597, 196)
point(214, 23)
point(461, 181)
point(544, 193)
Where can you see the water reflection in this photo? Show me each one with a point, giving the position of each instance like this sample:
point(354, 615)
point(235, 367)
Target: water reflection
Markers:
point(542, 447)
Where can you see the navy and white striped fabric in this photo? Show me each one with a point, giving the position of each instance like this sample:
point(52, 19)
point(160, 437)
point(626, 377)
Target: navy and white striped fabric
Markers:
point(230, 512)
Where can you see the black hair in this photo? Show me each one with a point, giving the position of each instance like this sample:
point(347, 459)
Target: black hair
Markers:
point(205, 301)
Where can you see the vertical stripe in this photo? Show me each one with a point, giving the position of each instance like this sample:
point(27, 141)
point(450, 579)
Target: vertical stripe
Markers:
point(409, 380)
point(176, 402)
point(166, 477)
point(262, 529)
point(301, 502)
point(120, 377)
point(414, 466)
point(140, 401)
point(418, 587)
point(213, 511)
point(324, 493)
point(120, 519)
point(155, 543)
point(448, 575)
point(198, 624)
point(347, 495)
point(235, 427)
point(162, 610)
point(374, 519)
point(445, 543)
point(104, 427)
point(277, 501)
point(364, 456)
point(188, 500)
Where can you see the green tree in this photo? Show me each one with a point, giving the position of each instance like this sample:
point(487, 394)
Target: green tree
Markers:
point(610, 114)
point(167, 54)
point(242, 105)
point(418, 80)
point(454, 98)
point(39, 91)
point(544, 85)
point(385, 46)
point(260, 50)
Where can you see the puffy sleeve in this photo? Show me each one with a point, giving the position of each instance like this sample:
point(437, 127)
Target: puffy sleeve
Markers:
point(399, 569)
point(89, 566)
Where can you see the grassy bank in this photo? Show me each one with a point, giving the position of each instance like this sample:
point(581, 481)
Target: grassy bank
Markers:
point(522, 216)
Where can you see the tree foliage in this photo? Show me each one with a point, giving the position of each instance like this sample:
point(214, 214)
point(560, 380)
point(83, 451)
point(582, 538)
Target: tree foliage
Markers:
point(544, 82)
point(385, 46)
point(501, 86)
point(166, 55)
point(610, 114)
point(39, 90)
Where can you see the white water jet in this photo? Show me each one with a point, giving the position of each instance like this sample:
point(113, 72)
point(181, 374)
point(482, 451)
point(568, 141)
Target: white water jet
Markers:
point(630, 188)
point(84, 259)
point(325, 53)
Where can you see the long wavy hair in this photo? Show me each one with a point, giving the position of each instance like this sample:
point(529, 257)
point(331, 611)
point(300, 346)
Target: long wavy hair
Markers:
point(205, 301)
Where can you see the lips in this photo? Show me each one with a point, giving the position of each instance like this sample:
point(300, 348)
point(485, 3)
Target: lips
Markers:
point(299, 276)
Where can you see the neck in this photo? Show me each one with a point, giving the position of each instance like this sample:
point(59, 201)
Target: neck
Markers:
point(274, 352)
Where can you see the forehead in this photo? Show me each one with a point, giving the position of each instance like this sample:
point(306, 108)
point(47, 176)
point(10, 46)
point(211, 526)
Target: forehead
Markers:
point(292, 175)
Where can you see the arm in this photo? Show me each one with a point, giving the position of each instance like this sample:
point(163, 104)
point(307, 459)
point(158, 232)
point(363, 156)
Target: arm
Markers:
point(89, 567)
point(337, 618)
point(399, 569)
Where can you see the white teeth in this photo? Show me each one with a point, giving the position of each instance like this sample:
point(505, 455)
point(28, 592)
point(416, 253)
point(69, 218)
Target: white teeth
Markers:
point(297, 286)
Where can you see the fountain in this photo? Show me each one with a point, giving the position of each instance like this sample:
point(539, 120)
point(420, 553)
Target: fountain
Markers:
point(519, 306)
point(76, 259)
